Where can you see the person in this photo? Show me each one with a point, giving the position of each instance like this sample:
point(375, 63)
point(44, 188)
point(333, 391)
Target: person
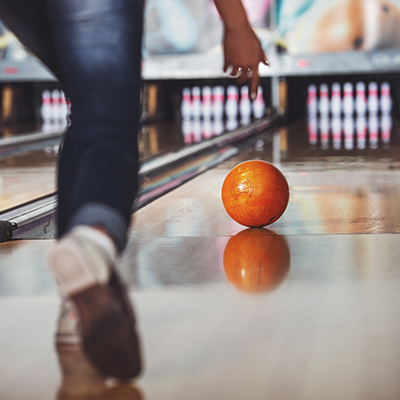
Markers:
point(93, 47)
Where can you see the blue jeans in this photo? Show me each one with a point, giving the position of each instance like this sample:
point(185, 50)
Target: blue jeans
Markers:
point(94, 48)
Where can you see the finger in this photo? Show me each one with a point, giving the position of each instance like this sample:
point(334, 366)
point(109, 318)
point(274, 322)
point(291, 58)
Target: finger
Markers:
point(254, 84)
point(226, 66)
point(234, 71)
point(264, 59)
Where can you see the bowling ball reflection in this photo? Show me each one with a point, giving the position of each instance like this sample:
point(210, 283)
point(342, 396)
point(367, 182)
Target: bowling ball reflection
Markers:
point(81, 381)
point(256, 260)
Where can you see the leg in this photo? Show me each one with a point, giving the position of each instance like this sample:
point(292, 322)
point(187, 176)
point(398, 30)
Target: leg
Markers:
point(95, 45)
point(99, 43)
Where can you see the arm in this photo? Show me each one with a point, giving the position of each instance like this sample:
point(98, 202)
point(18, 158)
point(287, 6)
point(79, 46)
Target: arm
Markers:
point(242, 49)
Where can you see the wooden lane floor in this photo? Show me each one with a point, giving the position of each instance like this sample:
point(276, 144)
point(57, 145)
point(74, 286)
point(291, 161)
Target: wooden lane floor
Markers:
point(310, 312)
point(28, 176)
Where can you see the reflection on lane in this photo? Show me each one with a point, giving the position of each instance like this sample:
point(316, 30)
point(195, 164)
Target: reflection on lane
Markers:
point(361, 132)
point(256, 260)
point(196, 130)
point(80, 381)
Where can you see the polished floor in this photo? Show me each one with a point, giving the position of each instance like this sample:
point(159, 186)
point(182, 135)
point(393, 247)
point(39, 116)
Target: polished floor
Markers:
point(307, 309)
point(27, 176)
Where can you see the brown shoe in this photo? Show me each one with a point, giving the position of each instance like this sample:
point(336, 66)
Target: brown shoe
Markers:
point(107, 323)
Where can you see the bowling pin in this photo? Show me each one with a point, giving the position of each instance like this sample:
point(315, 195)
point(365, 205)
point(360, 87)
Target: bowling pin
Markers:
point(348, 100)
point(373, 104)
point(324, 131)
point(373, 130)
point(312, 100)
point(196, 102)
point(348, 128)
point(187, 130)
point(197, 130)
point(206, 105)
point(361, 127)
point(386, 127)
point(231, 105)
point(244, 105)
point(63, 109)
point(312, 130)
point(361, 100)
point(207, 128)
point(45, 109)
point(186, 104)
point(386, 99)
point(55, 106)
point(336, 126)
point(323, 104)
point(336, 100)
point(259, 104)
point(218, 102)
point(217, 126)
point(231, 124)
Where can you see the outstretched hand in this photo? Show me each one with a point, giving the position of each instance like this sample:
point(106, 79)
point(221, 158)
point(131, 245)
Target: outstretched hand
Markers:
point(243, 53)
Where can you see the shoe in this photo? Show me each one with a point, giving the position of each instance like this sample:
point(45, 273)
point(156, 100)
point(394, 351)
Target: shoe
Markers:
point(69, 330)
point(88, 278)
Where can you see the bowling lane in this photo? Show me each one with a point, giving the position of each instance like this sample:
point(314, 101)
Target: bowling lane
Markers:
point(31, 175)
point(306, 309)
point(332, 191)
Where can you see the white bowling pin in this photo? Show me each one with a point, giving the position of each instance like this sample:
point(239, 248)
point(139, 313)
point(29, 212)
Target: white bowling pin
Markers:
point(312, 130)
point(259, 104)
point(336, 100)
point(373, 104)
point(361, 128)
point(206, 105)
point(373, 130)
point(336, 126)
point(207, 128)
point(186, 104)
point(197, 130)
point(361, 100)
point(196, 102)
point(45, 109)
point(386, 127)
point(217, 126)
point(218, 102)
point(324, 131)
point(231, 105)
point(56, 106)
point(323, 104)
point(187, 130)
point(231, 124)
point(386, 99)
point(63, 109)
point(312, 100)
point(348, 128)
point(245, 105)
point(348, 100)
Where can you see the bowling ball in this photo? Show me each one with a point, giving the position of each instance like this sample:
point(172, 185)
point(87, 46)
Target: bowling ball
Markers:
point(255, 193)
point(256, 260)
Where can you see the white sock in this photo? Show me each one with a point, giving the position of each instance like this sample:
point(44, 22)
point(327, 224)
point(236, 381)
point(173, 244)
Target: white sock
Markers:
point(100, 239)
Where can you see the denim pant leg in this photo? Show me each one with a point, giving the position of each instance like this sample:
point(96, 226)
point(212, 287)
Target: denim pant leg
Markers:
point(99, 48)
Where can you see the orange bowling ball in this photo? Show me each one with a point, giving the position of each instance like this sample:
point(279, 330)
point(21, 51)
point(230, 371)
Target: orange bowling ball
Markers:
point(256, 260)
point(255, 193)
